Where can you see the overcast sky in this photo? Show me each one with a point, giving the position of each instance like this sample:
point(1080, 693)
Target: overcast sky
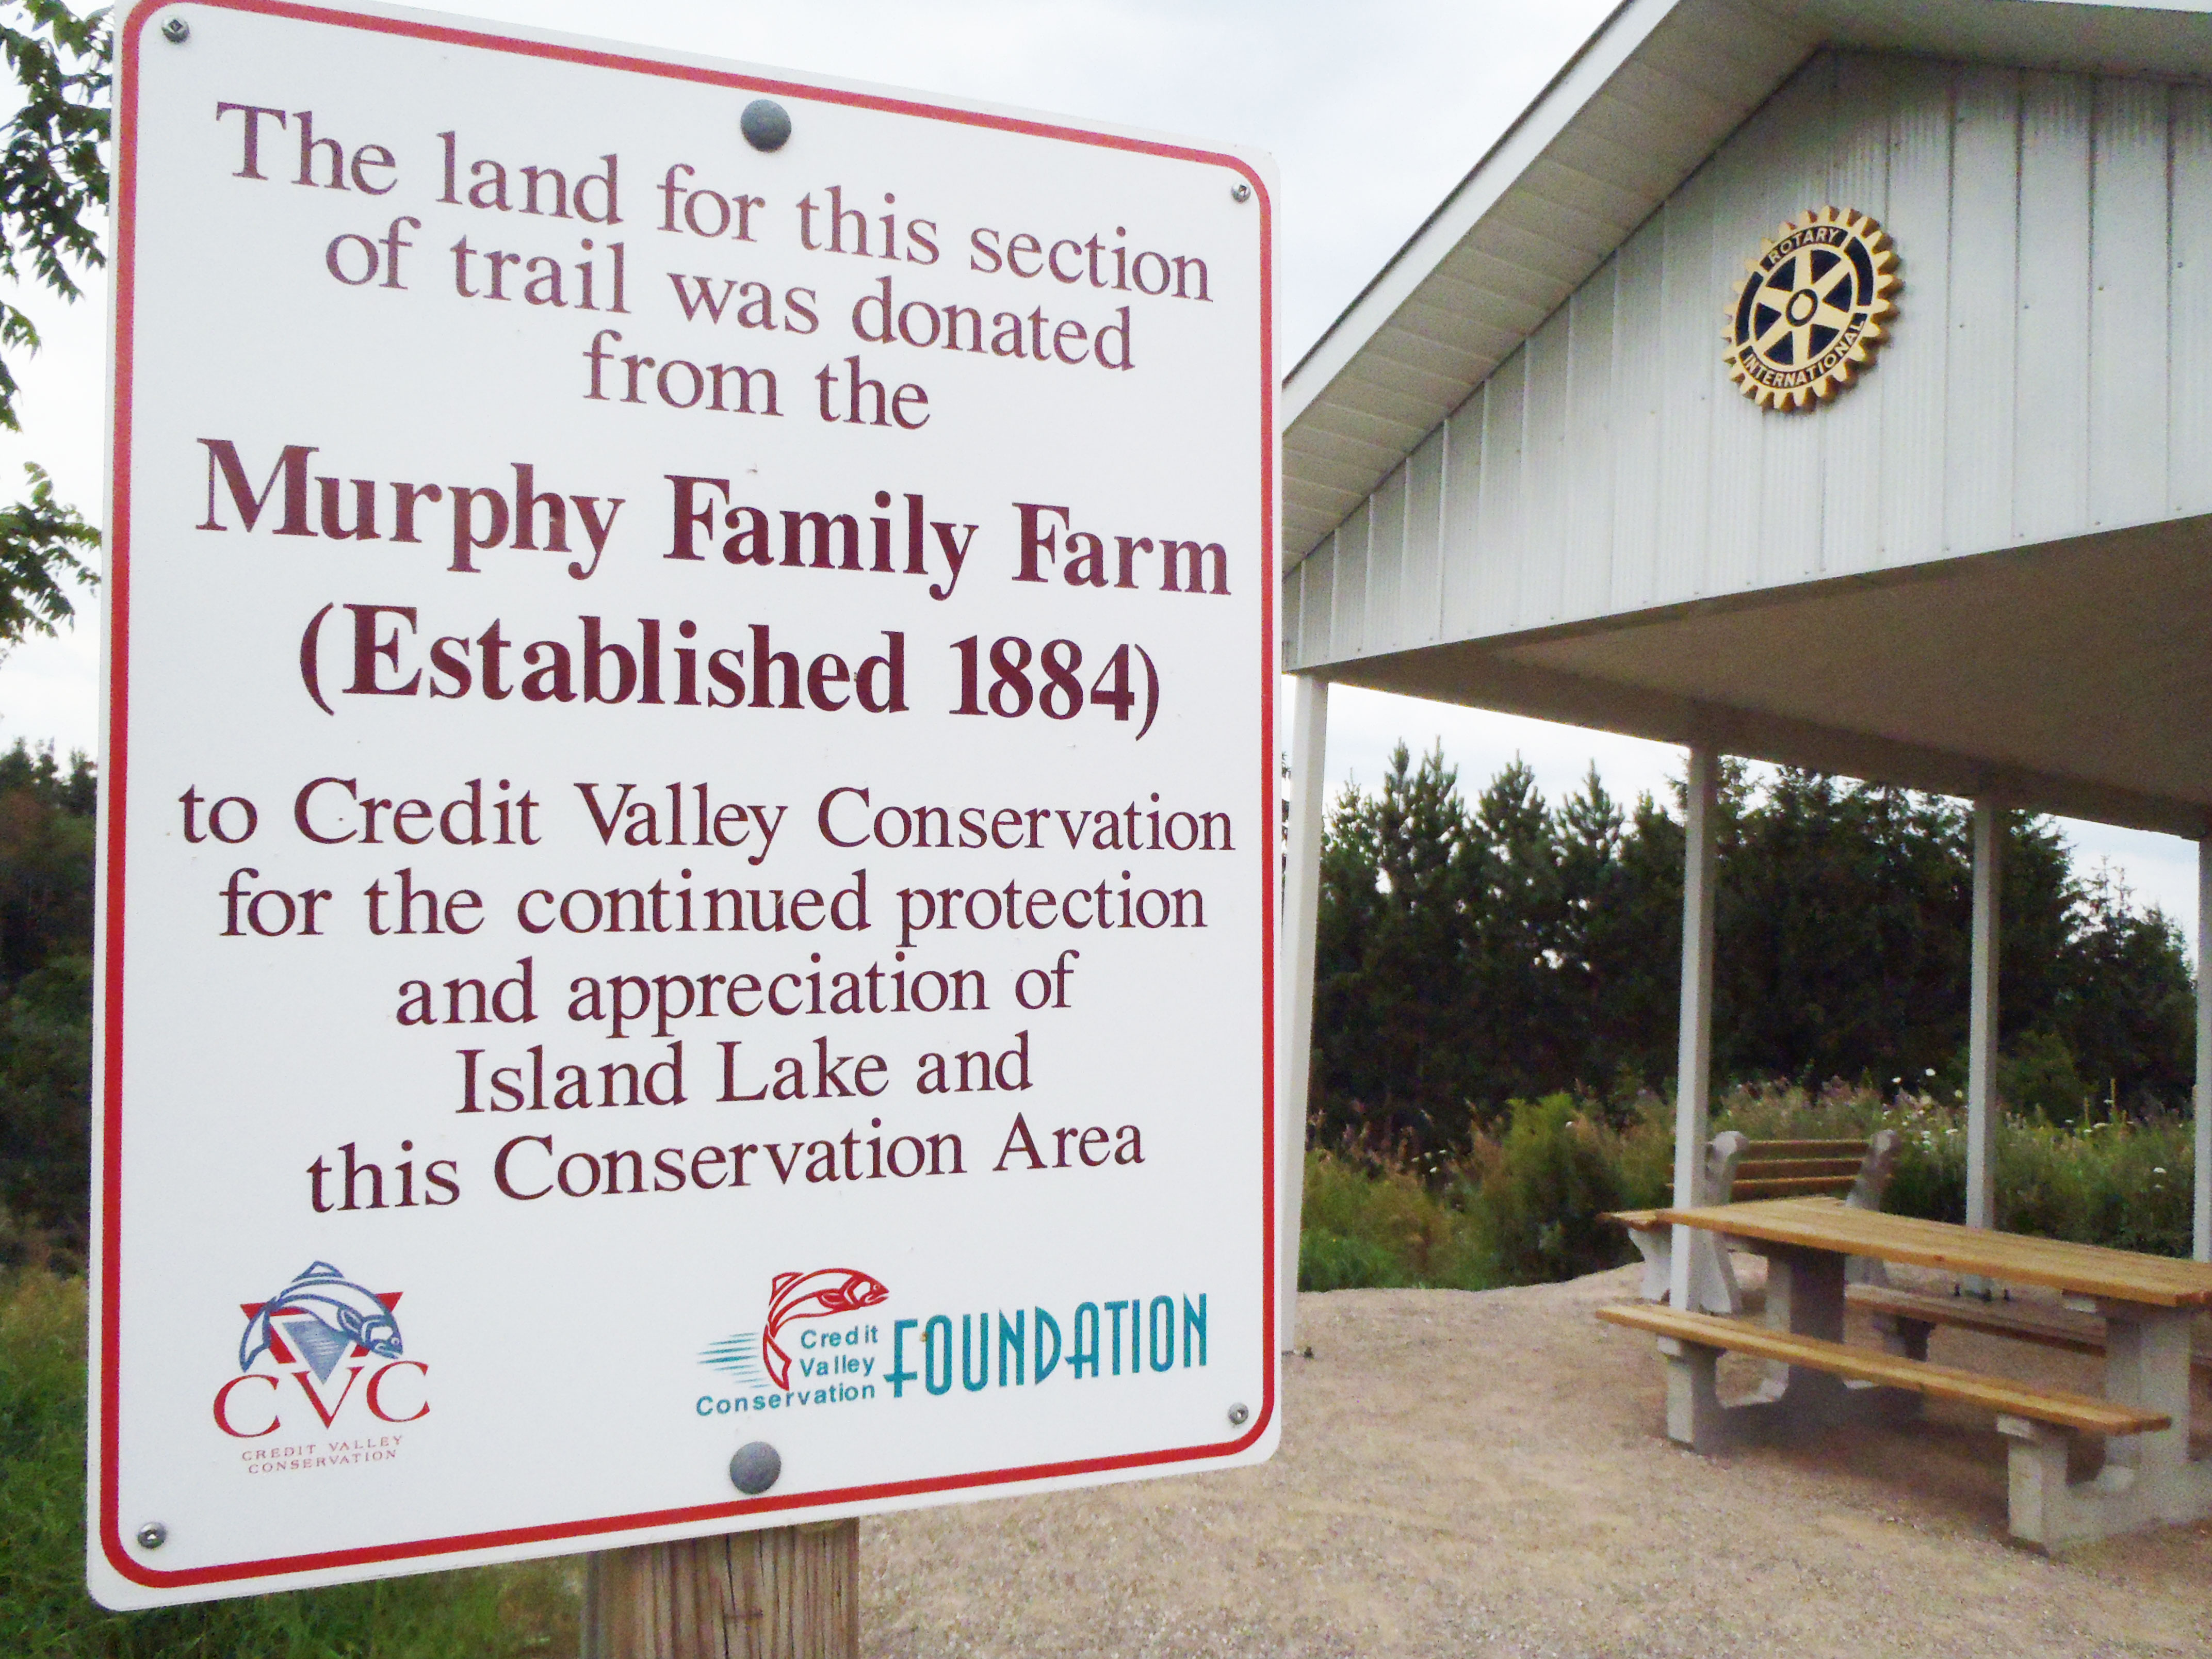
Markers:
point(1372, 113)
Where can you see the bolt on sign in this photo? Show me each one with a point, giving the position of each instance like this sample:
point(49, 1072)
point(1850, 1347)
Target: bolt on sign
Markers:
point(687, 848)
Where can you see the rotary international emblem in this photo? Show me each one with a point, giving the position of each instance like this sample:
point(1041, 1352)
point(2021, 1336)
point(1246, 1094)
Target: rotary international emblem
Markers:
point(1808, 314)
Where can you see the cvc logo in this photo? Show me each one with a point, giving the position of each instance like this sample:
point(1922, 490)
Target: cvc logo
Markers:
point(306, 1331)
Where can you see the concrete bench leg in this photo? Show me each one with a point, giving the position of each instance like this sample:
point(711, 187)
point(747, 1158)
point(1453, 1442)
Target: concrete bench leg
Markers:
point(1866, 1270)
point(1712, 1276)
point(1694, 1411)
point(2146, 1365)
point(2050, 1511)
point(2147, 1480)
point(2040, 1512)
point(1713, 1288)
point(1695, 1416)
point(1657, 1246)
point(1805, 1296)
point(1907, 1337)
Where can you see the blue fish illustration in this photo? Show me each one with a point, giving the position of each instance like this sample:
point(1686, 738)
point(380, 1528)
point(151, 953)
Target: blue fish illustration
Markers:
point(327, 1296)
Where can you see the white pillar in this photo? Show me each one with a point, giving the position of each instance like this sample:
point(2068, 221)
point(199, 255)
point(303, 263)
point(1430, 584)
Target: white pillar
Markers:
point(2205, 1051)
point(1982, 1109)
point(1294, 984)
point(1693, 1055)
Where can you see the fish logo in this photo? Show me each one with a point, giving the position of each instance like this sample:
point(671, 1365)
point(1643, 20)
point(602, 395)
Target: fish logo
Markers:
point(811, 1296)
point(335, 1314)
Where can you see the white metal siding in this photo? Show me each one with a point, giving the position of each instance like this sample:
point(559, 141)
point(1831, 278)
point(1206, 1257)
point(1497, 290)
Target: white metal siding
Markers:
point(1572, 197)
point(2050, 372)
point(1421, 598)
point(2189, 234)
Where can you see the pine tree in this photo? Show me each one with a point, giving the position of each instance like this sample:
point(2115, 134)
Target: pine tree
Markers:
point(1469, 958)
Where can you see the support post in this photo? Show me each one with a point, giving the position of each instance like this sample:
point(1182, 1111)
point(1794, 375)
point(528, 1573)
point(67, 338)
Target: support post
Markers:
point(1294, 985)
point(1694, 1054)
point(2205, 1051)
point(1982, 1107)
point(780, 1593)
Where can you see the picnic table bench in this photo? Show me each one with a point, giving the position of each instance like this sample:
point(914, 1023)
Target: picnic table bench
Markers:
point(1740, 1170)
point(2147, 1305)
point(1906, 1318)
point(1704, 1336)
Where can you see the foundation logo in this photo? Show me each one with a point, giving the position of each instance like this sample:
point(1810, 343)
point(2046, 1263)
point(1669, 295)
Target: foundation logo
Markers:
point(826, 1371)
point(320, 1322)
point(1809, 313)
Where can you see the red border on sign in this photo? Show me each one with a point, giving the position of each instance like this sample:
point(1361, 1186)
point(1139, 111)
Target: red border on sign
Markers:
point(115, 785)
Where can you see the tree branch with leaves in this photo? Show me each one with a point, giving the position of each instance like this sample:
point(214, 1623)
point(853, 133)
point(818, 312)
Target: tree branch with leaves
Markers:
point(53, 184)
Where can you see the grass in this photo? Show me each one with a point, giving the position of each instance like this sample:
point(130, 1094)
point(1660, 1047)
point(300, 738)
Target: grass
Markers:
point(494, 1611)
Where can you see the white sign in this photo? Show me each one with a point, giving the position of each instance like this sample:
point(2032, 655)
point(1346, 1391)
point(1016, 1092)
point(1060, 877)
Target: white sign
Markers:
point(689, 807)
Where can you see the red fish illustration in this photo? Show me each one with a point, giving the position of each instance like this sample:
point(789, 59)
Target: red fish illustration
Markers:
point(811, 1296)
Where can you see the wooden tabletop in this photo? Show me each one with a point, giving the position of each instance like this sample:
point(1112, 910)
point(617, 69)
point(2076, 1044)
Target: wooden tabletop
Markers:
point(1825, 1223)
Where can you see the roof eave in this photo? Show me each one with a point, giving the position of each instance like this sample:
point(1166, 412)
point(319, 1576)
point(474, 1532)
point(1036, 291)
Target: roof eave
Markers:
point(1595, 62)
point(1722, 61)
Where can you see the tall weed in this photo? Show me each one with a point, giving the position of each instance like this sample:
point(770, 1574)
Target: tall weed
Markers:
point(1526, 1206)
point(1545, 1189)
point(1374, 1224)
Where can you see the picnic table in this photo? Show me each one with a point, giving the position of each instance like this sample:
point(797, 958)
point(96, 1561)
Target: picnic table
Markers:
point(2147, 1304)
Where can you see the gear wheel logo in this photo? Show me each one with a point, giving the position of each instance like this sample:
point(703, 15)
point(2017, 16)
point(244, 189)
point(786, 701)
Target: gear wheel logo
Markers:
point(1810, 312)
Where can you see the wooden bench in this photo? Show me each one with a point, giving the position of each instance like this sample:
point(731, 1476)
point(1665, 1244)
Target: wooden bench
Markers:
point(1904, 1319)
point(1739, 1170)
point(1692, 1342)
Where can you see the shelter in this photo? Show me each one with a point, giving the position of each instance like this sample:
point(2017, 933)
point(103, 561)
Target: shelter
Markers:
point(1961, 541)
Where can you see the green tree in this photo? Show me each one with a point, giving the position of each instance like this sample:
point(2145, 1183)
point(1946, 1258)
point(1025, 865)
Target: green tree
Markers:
point(46, 822)
point(1840, 938)
point(1643, 952)
point(1390, 1052)
point(2125, 1006)
point(52, 184)
point(1588, 833)
point(1473, 957)
point(1518, 1008)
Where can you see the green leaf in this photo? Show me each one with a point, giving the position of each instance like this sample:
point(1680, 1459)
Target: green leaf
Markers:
point(39, 543)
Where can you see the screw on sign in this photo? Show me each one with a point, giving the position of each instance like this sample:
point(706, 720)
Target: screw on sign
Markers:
point(691, 729)
point(766, 124)
point(754, 1467)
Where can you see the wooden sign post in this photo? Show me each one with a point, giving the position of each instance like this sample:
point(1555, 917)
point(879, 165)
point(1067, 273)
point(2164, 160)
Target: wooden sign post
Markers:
point(779, 1593)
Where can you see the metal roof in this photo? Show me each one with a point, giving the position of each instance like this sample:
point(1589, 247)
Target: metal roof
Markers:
point(1647, 98)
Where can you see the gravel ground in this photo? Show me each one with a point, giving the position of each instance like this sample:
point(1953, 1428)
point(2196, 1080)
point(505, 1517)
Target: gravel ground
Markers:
point(1485, 1473)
